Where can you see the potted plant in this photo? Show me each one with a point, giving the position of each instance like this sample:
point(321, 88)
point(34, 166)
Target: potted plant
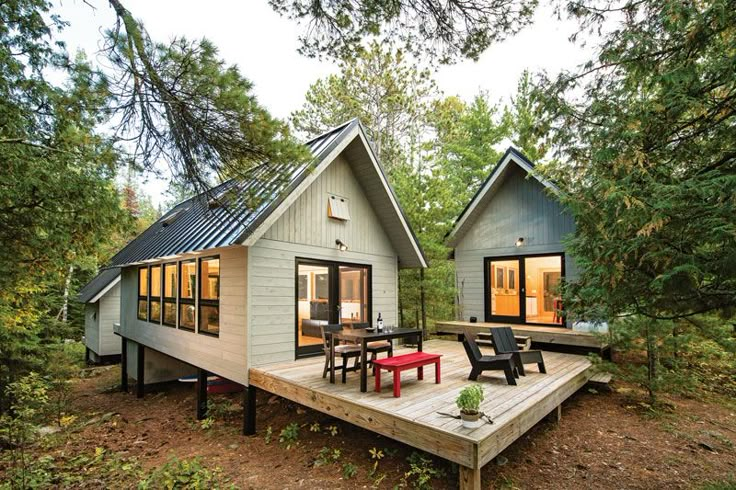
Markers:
point(468, 401)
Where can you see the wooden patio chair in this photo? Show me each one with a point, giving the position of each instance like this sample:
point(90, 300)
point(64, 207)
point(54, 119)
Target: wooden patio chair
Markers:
point(480, 363)
point(345, 351)
point(377, 347)
point(505, 343)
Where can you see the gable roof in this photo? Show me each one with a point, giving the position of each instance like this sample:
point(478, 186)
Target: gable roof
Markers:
point(99, 285)
point(249, 206)
point(488, 189)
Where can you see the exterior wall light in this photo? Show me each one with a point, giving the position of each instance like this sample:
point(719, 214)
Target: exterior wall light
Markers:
point(341, 246)
point(520, 241)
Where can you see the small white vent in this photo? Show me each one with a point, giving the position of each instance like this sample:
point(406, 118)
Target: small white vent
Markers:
point(337, 208)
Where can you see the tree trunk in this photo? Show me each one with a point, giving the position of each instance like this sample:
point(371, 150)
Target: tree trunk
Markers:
point(422, 303)
point(65, 308)
point(651, 366)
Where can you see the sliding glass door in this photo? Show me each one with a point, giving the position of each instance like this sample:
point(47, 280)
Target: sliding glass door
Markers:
point(328, 293)
point(524, 289)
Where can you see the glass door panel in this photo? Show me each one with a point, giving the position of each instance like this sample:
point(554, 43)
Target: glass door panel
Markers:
point(505, 290)
point(313, 305)
point(543, 301)
point(353, 295)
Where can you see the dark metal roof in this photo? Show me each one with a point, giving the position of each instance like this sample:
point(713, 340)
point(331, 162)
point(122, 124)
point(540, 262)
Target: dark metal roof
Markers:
point(100, 282)
point(241, 205)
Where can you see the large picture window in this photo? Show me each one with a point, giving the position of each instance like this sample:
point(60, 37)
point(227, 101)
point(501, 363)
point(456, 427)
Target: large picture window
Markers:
point(525, 289)
point(187, 288)
point(154, 302)
point(209, 295)
point(143, 293)
point(170, 284)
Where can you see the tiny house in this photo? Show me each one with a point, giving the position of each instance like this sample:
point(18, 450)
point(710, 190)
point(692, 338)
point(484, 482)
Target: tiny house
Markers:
point(509, 249)
point(245, 275)
point(101, 297)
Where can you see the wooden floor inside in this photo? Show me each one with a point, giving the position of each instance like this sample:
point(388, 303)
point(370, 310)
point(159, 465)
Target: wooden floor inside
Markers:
point(414, 418)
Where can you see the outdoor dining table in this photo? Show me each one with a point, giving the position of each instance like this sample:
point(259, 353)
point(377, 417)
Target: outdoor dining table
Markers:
point(364, 336)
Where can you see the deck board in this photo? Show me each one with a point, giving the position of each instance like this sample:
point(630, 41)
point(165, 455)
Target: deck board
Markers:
point(547, 335)
point(413, 418)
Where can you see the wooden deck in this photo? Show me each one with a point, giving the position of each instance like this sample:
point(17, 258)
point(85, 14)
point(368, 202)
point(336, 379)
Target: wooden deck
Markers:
point(546, 335)
point(414, 419)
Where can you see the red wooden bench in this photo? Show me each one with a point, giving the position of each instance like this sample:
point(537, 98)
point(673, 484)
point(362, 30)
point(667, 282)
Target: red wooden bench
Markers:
point(403, 362)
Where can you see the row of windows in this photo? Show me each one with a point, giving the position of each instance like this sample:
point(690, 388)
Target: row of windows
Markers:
point(162, 287)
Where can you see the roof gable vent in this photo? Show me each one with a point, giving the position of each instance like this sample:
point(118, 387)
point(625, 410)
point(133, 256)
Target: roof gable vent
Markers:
point(337, 208)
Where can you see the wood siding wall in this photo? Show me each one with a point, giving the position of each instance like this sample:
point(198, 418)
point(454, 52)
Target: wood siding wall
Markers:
point(109, 313)
point(91, 327)
point(224, 355)
point(305, 231)
point(520, 208)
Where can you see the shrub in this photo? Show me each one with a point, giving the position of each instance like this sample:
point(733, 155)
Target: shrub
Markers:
point(469, 399)
point(289, 435)
point(185, 474)
point(19, 425)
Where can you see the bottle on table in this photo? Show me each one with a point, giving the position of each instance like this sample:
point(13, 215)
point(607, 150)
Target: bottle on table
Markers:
point(379, 323)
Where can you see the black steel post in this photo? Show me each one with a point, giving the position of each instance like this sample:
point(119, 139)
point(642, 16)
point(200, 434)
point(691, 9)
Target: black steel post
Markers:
point(201, 394)
point(141, 371)
point(249, 419)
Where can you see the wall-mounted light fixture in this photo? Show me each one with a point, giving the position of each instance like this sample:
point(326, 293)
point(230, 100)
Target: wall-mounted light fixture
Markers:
point(340, 245)
point(520, 241)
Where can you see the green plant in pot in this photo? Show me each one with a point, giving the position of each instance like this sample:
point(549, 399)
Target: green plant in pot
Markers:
point(468, 401)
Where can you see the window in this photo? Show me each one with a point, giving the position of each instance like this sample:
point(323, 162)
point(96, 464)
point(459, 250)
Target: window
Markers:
point(154, 301)
point(143, 293)
point(187, 286)
point(337, 208)
point(169, 312)
point(209, 295)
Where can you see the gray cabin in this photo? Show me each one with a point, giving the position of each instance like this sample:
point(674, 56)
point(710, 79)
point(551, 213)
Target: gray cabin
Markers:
point(509, 251)
point(101, 297)
point(245, 275)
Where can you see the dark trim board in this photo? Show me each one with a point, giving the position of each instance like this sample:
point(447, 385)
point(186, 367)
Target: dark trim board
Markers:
point(334, 292)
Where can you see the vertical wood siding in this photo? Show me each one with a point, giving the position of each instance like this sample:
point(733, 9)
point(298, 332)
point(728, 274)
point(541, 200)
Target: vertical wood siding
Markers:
point(109, 314)
point(224, 355)
point(91, 327)
point(520, 208)
point(305, 231)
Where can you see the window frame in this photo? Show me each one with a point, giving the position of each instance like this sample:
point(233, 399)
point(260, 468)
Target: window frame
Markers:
point(170, 300)
point(186, 301)
point(142, 297)
point(521, 287)
point(207, 302)
point(151, 298)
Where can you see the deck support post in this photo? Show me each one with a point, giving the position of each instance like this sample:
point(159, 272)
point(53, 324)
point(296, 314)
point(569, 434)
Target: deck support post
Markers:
point(124, 365)
point(249, 418)
point(201, 394)
point(469, 478)
point(141, 371)
point(555, 415)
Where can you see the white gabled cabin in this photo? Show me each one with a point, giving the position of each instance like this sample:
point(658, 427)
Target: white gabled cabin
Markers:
point(246, 275)
point(101, 297)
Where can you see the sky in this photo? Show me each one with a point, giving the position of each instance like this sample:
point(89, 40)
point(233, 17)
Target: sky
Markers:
point(264, 46)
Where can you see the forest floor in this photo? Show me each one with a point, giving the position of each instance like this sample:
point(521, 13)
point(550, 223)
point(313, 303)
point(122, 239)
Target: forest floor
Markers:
point(605, 440)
